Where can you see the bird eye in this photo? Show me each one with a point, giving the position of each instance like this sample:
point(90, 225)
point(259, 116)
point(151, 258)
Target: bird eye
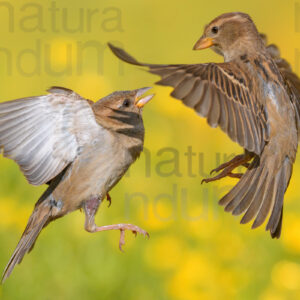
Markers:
point(126, 103)
point(215, 30)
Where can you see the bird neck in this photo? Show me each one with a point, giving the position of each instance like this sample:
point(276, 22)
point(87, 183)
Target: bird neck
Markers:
point(247, 47)
point(128, 131)
point(132, 143)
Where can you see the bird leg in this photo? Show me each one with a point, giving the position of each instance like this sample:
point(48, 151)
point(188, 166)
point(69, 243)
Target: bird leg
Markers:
point(228, 167)
point(90, 209)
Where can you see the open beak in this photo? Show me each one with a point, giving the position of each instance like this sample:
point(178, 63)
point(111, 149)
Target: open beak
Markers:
point(140, 102)
point(203, 43)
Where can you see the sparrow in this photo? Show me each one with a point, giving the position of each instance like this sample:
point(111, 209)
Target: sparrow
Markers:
point(253, 96)
point(81, 149)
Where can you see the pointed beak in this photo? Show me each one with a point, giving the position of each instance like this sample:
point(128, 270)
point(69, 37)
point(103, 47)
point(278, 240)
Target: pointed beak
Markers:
point(140, 102)
point(203, 43)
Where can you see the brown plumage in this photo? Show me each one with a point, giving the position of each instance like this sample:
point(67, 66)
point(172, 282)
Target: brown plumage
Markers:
point(253, 97)
point(80, 148)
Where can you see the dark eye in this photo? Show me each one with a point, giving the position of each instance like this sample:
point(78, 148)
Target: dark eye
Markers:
point(215, 30)
point(126, 103)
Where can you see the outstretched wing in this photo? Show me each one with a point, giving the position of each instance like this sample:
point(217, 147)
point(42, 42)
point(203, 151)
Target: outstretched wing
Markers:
point(219, 92)
point(284, 67)
point(44, 134)
point(293, 81)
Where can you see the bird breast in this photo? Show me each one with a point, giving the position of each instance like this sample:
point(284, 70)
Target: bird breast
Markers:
point(94, 172)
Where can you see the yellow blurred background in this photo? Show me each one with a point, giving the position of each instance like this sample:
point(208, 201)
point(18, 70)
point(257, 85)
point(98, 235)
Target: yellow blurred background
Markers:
point(196, 251)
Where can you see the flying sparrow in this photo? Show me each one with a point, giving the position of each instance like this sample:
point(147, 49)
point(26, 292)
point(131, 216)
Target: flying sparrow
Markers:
point(254, 97)
point(81, 149)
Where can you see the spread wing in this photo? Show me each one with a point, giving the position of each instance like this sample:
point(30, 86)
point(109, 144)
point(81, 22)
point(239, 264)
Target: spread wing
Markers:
point(293, 81)
point(282, 64)
point(219, 92)
point(44, 134)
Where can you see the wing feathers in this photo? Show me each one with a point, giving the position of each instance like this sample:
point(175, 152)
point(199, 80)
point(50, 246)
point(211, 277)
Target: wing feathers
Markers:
point(191, 83)
point(43, 134)
point(215, 110)
point(184, 87)
point(240, 126)
point(195, 95)
point(174, 79)
point(231, 121)
point(203, 106)
point(225, 95)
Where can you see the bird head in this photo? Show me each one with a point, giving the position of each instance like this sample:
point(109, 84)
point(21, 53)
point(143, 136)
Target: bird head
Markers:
point(230, 35)
point(125, 101)
point(122, 112)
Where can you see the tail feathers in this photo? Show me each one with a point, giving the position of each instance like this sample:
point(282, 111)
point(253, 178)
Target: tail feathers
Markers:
point(36, 222)
point(275, 221)
point(260, 192)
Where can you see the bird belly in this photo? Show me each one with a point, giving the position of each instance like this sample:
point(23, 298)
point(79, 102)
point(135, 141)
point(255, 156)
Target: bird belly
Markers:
point(283, 129)
point(92, 174)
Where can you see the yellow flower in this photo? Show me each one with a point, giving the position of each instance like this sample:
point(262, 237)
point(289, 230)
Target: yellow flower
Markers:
point(286, 274)
point(12, 214)
point(291, 237)
point(164, 253)
point(194, 279)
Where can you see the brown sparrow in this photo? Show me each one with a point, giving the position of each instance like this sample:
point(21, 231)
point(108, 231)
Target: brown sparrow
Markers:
point(254, 97)
point(81, 149)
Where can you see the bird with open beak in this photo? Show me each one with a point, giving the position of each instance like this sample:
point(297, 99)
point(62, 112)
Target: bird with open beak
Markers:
point(81, 149)
point(253, 97)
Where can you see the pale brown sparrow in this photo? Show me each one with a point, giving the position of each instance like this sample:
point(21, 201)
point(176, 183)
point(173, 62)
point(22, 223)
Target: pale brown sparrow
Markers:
point(80, 148)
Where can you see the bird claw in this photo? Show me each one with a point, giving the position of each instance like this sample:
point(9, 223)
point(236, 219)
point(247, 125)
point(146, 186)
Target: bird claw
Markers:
point(108, 198)
point(246, 165)
point(122, 240)
point(134, 229)
point(235, 175)
point(212, 171)
point(222, 175)
point(227, 168)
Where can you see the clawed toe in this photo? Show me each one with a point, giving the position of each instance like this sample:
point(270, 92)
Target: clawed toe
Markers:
point(235, 175)
point(206, 180)
point(213, 171)
point(108, 198)
point(122, 240)
point(227, 168)
point(223, 174)
point(134, 229)
point(220, 168)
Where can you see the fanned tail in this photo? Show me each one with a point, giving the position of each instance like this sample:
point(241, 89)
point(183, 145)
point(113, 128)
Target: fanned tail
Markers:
point(260, 192)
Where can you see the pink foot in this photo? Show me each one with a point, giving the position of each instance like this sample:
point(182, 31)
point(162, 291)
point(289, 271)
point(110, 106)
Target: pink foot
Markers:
point(122, 227)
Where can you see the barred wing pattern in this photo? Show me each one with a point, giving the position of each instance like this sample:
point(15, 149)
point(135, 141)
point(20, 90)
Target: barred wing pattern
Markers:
point(218, 92)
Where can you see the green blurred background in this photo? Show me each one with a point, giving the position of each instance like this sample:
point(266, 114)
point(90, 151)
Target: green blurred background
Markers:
point(196, 251)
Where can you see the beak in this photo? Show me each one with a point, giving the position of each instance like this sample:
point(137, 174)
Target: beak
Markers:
point(140, 102)
point(203, 43)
